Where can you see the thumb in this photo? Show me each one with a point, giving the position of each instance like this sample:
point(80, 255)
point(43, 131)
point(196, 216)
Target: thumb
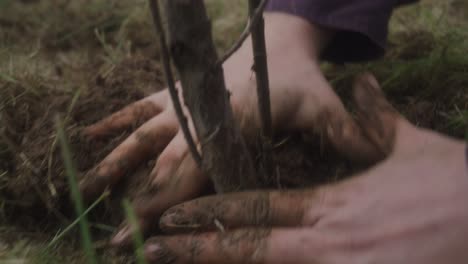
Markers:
point(375, 116)
point(371, 137)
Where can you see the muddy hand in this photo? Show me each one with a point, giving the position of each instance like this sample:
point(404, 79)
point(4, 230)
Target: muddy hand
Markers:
point(174, 178)
point(410, 208)
point(301, 100)
point(146, 141)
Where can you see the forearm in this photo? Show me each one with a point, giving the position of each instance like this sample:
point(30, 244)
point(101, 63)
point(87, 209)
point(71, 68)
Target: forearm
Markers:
point(295, 36)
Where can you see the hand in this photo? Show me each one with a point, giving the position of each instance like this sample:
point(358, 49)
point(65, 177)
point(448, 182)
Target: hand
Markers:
point(410, 208)
point(301, 99)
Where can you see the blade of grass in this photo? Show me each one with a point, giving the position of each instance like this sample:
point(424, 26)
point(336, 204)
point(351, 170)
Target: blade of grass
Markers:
point(137, 236)
point(59, 236)
point(102, 24)
point(7, 78)
point(76, 196)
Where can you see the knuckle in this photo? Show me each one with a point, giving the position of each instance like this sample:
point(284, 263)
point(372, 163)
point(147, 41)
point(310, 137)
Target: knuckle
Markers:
point(260, 209)
point(249, 243)
point(315, 204)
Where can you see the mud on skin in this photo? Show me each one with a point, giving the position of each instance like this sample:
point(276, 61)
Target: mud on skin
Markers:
point(201, 216)
point(230, 245)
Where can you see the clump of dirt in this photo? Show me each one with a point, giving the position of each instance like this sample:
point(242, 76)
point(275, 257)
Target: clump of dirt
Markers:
point(34, 184)
point(302, 161)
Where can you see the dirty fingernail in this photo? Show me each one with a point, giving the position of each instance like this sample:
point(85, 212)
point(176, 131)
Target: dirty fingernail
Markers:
point(156, 252)
point(177, 219)
point(121, 237)
point(151, 252)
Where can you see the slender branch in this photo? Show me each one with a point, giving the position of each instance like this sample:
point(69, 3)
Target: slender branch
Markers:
point(253, 20)
point(263, 90)
point(171, 84)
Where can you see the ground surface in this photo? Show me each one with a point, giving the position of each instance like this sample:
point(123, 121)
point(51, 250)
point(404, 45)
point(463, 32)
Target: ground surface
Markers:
point(82, 60)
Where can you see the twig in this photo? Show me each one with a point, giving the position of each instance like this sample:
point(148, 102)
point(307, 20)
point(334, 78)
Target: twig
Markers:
point(171, 84)
point(263, 90)
point(253, 20)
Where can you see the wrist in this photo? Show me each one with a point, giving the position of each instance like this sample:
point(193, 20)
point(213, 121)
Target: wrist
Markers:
point(288, 38)
point(295, 35)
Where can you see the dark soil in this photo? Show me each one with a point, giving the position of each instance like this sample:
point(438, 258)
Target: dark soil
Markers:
point(35, 185)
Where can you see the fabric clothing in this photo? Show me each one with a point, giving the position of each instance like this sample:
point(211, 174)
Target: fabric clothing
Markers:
point(361, 25)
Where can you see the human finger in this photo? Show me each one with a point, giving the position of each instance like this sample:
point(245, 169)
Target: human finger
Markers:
point(131, 115)
point(169, 161)
point(187, 183)
point(376, 116)
point(148, 140)
point(247, 209)
point(262, 245)
point(370, 138)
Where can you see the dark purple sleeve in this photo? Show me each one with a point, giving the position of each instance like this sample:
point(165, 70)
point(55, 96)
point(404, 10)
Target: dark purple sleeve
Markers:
point(361, 25)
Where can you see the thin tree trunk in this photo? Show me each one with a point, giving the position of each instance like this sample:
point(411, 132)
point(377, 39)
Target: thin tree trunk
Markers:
point(225, 155)
point(166, 60)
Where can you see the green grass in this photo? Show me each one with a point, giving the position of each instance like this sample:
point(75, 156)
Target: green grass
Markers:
point(426, 62)
point(137, 235)
point(80, 218)
point(76, 195)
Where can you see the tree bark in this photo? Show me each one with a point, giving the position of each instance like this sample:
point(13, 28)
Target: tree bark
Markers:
point(166, 60)
point(225, 155)
point(260, 68)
